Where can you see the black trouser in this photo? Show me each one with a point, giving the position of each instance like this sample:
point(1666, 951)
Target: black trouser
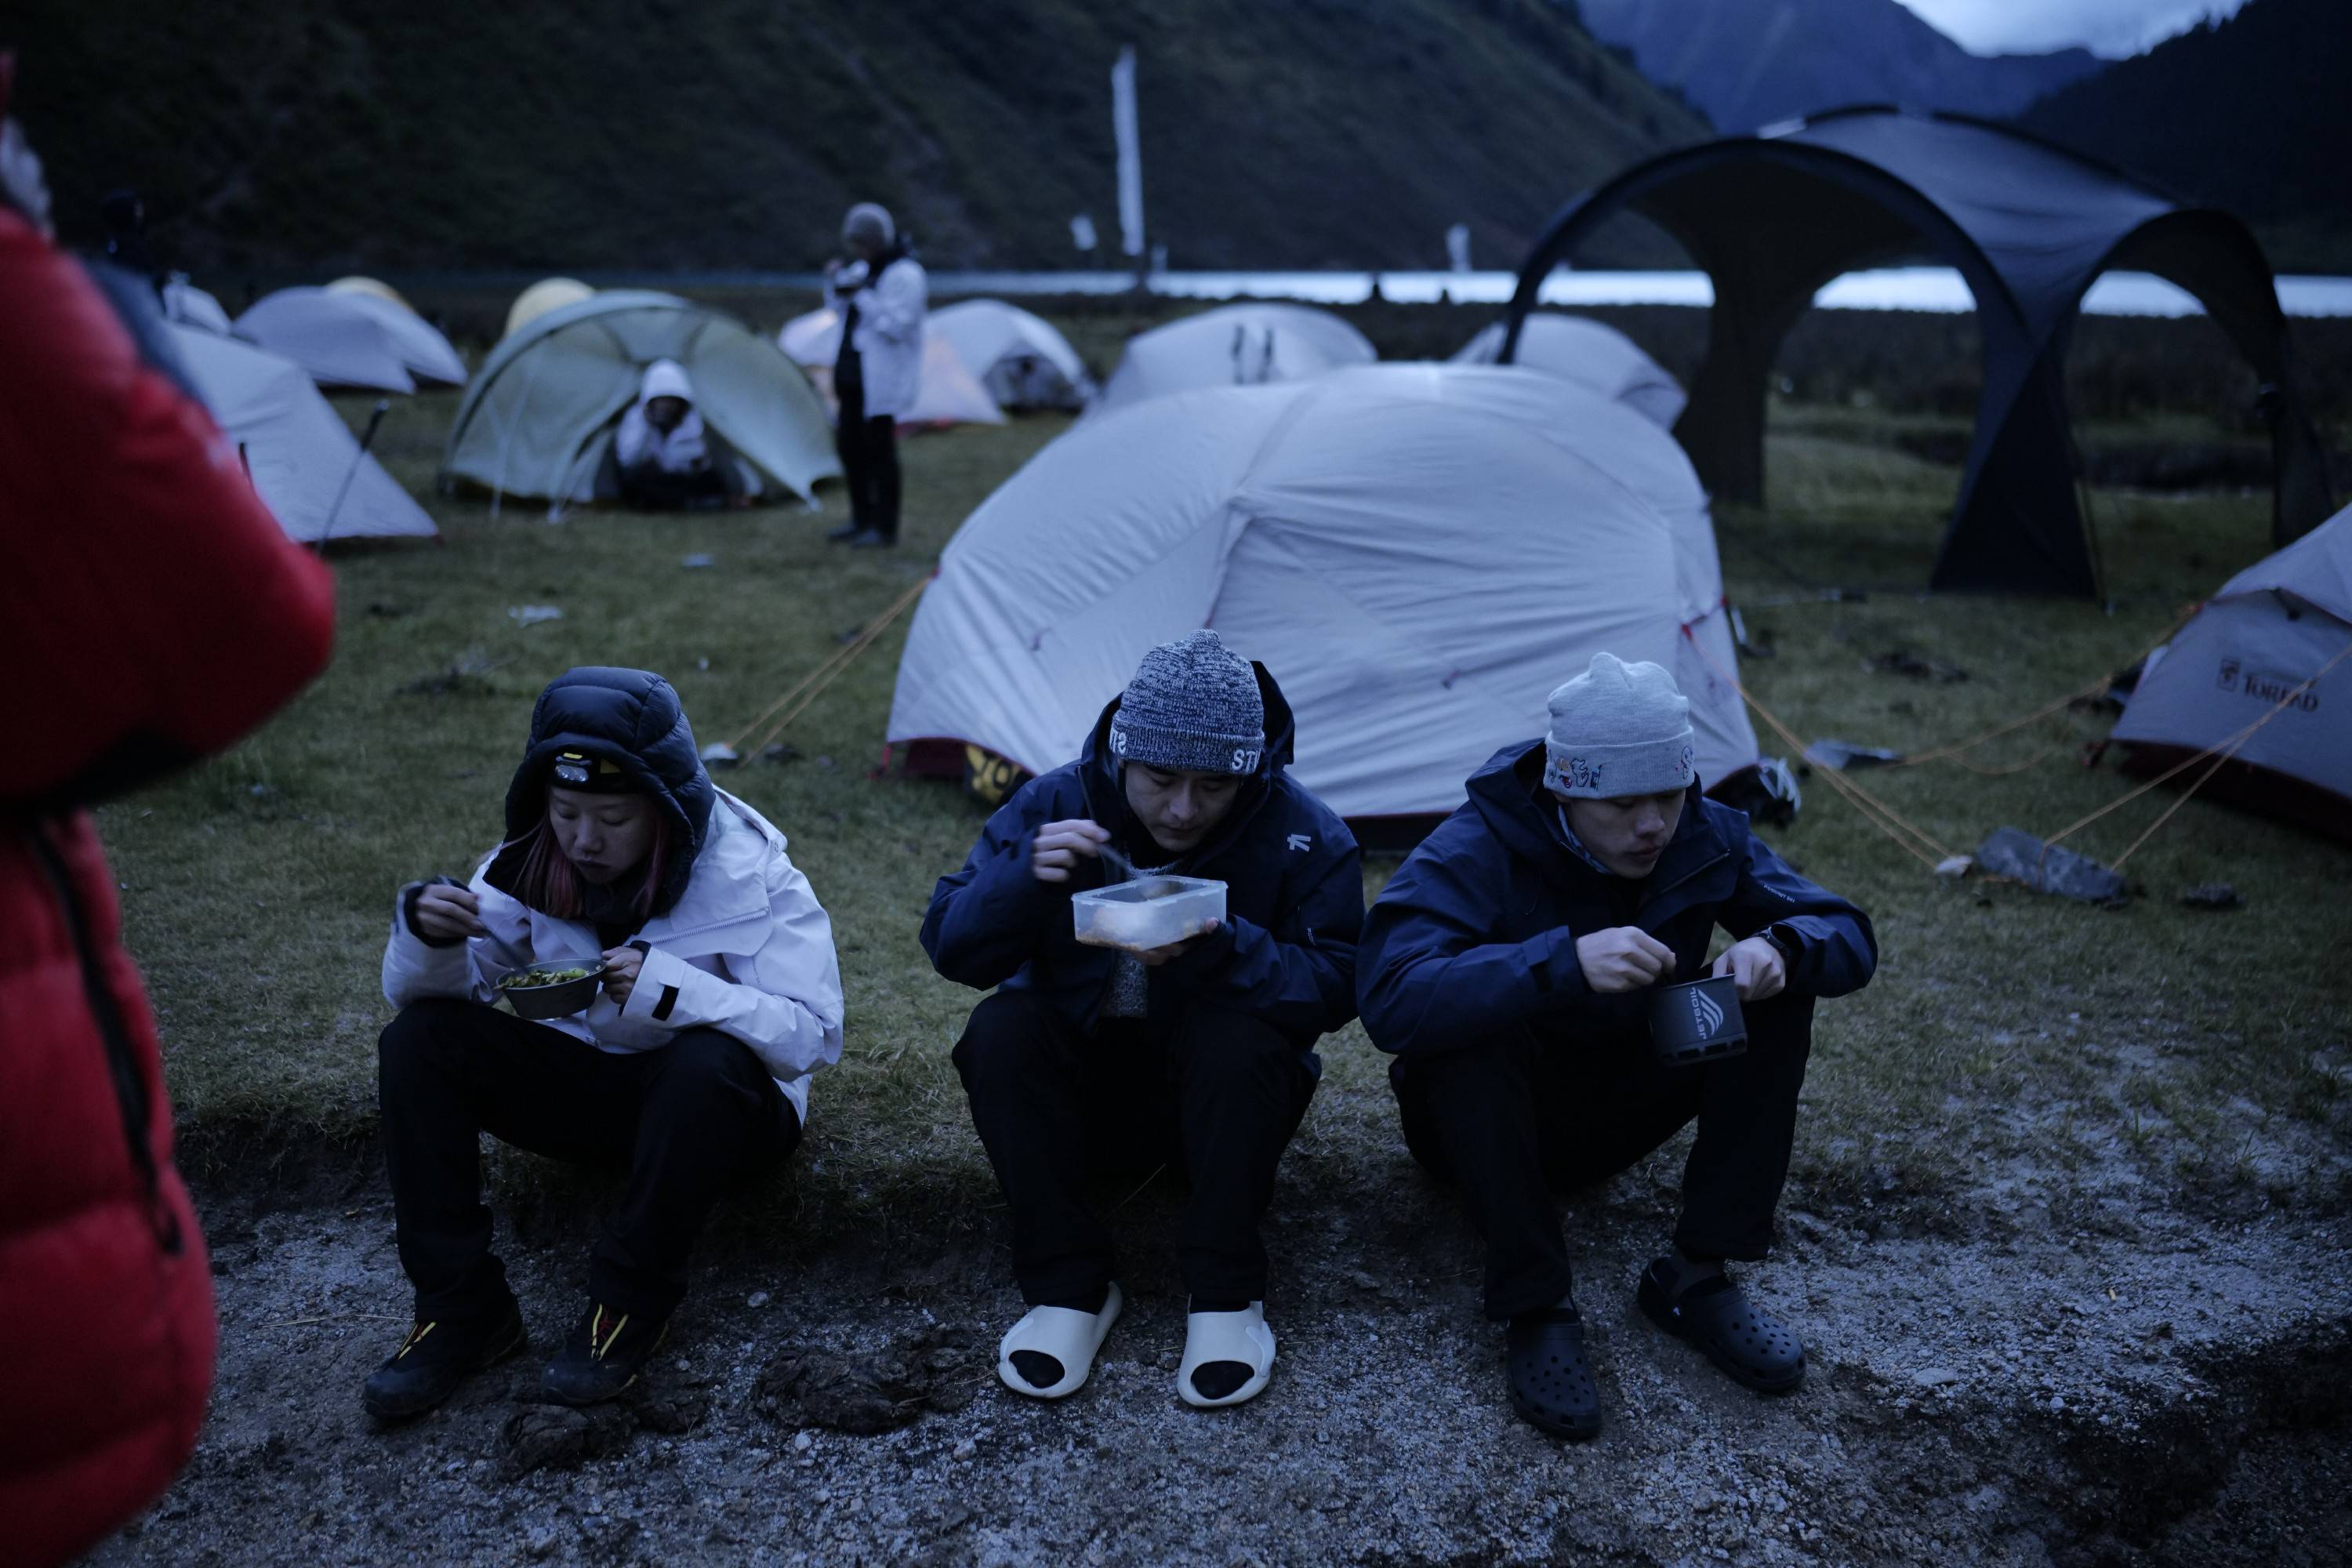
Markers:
point(1216, 1097)
point(869, 461)
point(654, 488)
point(687, 1118)
point(1513, 1120)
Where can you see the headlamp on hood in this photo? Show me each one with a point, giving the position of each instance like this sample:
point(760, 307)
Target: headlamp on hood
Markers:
point(597, 775)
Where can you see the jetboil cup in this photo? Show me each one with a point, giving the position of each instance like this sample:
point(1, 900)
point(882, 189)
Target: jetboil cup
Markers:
point(1697, 1021)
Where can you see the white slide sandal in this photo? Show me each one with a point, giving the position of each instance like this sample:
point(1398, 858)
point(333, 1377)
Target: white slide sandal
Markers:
point(1069, 1336)
point(1240, 1337)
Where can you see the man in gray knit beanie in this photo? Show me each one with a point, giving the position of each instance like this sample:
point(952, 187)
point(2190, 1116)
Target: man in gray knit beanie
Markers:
point(1196, 1056)
point(1506, 966)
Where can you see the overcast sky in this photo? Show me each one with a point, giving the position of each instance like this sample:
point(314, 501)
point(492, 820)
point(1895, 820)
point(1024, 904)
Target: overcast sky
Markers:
point(2110, 28)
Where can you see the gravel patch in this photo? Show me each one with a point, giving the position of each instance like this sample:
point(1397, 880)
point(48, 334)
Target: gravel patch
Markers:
point(2170, 1389)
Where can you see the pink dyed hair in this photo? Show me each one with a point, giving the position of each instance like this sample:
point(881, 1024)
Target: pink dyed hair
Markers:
point(549, 882)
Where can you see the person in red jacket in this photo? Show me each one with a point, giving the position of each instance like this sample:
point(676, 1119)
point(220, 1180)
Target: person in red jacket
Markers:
point(158, 612)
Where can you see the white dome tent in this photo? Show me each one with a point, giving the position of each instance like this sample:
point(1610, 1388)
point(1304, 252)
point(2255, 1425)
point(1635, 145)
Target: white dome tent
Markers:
point(347, 337)
point(306, 465)
point(538, 418)
point(191, 306)
point(1591, 353)
point(1022, 359)
point(949, 392)
point(2281, 623)
point(1233, 345)
point(1419, 552)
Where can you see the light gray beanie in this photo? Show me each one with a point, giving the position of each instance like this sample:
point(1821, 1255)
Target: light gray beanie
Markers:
point(1619, 730)
point(1191, 705)
point(869, 221)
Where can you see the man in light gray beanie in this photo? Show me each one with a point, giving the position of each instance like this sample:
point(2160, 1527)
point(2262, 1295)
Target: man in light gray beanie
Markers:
point(1507, 966)
point(1197, 1055)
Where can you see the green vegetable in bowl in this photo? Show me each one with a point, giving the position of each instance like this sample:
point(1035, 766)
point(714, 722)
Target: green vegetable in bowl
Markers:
point(532, 979)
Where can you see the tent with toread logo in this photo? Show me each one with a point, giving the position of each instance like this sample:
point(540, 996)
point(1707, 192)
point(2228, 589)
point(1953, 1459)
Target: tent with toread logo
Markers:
point(1419, 552)
point(2260, 678)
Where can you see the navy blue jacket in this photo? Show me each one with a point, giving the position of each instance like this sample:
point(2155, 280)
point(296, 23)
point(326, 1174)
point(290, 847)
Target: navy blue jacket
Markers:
point(1294, 902)
point(1475, 934)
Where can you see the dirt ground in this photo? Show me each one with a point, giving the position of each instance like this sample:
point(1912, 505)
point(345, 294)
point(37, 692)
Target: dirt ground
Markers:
point(1994, 1380)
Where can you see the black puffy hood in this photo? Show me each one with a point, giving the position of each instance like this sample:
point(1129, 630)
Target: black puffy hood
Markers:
point(632, 719)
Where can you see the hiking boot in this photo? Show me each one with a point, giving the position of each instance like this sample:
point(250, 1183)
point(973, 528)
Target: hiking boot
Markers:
point(438, 1355)
point(606, 1350)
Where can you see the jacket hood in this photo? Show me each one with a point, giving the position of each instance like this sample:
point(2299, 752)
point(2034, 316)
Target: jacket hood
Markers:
point(1508, 794)
point(1100, 765)
point(632, 719)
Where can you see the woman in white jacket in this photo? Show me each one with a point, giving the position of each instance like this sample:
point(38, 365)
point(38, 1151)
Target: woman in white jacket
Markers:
point(881, 295)
point(718, 997)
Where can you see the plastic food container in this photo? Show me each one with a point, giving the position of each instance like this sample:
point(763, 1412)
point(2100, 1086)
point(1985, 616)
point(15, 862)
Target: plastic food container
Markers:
point(1697, 1021)
point(558, 1000)
point(1142, 915)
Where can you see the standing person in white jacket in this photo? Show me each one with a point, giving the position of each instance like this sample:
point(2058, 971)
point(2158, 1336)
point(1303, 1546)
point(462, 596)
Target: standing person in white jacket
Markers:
point(719, 996)
point(881, 295)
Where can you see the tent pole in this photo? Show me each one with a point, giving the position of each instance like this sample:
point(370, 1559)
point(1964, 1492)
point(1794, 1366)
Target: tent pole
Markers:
point(367, 439)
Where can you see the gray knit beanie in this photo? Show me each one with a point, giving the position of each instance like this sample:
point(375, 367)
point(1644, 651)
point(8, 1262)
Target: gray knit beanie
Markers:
point(1619, 730)
point(869, 221)
point(1191, 705)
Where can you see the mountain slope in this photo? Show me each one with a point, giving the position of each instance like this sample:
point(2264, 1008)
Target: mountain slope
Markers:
point(2250, 114)
point(1747, 63)
point(664, 134)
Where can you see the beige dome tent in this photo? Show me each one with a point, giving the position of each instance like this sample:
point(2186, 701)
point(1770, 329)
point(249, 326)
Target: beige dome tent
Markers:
point(538, 418)
point(1233, 345)
point(374, 289)
point(1419, 552)
point(351, 338)
point(948, 394)
point(547, 294)
point(305, 464)
point(1591, 353)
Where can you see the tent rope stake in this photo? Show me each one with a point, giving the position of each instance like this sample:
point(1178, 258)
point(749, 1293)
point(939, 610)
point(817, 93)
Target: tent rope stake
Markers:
point(1892, 823)
point(810, 687)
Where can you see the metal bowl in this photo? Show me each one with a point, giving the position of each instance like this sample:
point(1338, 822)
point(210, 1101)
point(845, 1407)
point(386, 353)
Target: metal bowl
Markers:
point(558, 1001)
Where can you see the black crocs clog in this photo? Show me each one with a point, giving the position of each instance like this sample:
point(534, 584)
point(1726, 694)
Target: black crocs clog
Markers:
point(1551, 1382)
point(1713, 1314)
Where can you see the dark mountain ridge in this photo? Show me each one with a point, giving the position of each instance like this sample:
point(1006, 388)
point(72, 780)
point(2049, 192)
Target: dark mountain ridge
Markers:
point(2251, 114)
point(1748, 63)
point(732, 134)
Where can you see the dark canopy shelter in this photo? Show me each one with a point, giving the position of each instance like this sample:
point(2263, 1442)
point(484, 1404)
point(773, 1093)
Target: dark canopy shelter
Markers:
point(1772, 217)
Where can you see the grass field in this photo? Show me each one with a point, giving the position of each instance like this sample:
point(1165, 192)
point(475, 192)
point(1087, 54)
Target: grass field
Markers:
point(2015, 1052)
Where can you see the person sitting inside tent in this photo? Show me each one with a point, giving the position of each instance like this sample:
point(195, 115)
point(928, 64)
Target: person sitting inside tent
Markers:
point(1505, 964)
point(713, 994)
point(1196, 1055)
point(667, 460)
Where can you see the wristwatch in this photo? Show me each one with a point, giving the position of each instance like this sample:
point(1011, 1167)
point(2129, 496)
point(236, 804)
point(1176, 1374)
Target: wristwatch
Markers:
point(1783, 940)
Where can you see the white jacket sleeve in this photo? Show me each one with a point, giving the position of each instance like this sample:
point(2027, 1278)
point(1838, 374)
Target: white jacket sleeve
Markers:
point(783, 1001)
point(892, 305)
point(414, 968)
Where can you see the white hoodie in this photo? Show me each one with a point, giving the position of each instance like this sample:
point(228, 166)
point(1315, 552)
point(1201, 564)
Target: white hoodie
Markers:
point(681, 450)
point(889, 339)
point(746, 949)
